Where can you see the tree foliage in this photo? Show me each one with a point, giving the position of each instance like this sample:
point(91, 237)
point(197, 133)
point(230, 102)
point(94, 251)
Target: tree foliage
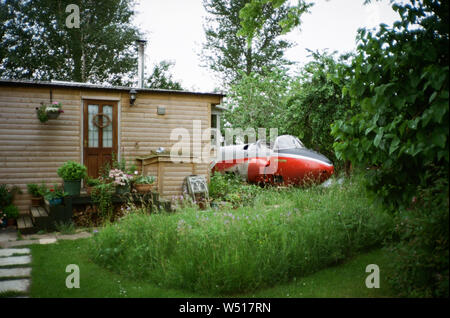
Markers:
point(36, 43)
point(259, 101)
point(319, 102)
point(253, 18)
point(161, 77)
point(228, 54)
point(400, 78)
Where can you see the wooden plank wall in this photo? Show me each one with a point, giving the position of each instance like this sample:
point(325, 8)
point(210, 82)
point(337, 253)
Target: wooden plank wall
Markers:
point(31, 151)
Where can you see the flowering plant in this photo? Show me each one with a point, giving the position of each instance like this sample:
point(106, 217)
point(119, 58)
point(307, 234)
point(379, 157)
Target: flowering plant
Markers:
point(119, 177)
point(55, 192)
point(55, 107)
point(44, 110)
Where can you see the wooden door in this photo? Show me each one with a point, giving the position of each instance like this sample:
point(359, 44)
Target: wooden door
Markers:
point(100, 134)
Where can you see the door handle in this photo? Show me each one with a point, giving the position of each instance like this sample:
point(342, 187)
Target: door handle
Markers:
point(85, 143)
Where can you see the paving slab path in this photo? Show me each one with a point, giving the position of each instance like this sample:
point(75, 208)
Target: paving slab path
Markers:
point(15, 272)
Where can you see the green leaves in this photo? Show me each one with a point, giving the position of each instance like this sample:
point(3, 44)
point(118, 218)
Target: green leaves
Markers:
point(400, 78)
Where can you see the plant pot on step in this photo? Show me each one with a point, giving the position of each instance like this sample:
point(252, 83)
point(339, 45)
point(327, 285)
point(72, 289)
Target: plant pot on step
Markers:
point(72, 187)
point(36, 201)
point(143, 188)
point(11, 222)
point(54, 202)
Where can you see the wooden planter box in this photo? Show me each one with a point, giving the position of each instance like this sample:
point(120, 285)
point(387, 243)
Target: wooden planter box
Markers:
point(170, 175)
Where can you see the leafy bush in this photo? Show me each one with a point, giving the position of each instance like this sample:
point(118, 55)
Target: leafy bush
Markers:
point(420, 258)
point(102, 197)
point(11, 211)
point(71, 171)
point(400, 79)
point(7, 195)
point(230, 188)
point(33, 189)
point(91, 182)
point(286, 234)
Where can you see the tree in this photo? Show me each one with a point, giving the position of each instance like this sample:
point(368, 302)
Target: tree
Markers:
point(37, 43)
point(228, 54)
point(259, 101)
point(161, 77)
point(253, 18)
point(318, 103)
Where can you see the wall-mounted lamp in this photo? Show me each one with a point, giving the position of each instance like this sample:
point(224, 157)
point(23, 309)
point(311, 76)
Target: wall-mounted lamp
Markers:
point(133, 94)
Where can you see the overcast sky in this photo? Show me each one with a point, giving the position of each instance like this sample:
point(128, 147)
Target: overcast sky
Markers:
point(174, 30)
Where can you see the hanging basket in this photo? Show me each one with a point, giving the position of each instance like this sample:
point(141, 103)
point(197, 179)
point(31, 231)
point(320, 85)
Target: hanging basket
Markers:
point(53, 115)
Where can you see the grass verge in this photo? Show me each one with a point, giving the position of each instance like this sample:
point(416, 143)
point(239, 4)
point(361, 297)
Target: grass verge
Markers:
point(285, 234)
point(49, 275)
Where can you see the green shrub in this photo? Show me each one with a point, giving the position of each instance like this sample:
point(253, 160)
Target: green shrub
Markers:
point(286, 234)
point(33, 189)
point(230, 188)
point(420, 258)
point(91, 182)
point(71, 171)
point(7, 195)
point(11, 211)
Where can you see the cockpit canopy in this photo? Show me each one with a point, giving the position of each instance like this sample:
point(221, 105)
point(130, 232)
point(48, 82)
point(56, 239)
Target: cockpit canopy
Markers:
point(287, 142)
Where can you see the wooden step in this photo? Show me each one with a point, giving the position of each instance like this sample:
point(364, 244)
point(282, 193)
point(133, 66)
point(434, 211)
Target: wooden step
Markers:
point(40, 218)
point(25, 225)
point(38, 212)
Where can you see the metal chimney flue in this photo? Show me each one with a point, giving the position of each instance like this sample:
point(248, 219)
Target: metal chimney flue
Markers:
point(141, 62)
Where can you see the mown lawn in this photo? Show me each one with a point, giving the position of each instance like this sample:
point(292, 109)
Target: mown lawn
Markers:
point(49, 276)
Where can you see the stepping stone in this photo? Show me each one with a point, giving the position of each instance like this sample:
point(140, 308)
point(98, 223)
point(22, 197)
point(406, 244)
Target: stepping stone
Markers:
point(15, 272)
point(15, 260)
point(74, 236)
point(12, 251)
point(17, 285)
point(18, 243)
point(47, 241)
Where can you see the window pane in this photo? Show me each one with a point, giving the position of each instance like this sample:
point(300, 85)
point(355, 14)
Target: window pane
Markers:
point(107, 130)
point(213, 121)
point(92, 129)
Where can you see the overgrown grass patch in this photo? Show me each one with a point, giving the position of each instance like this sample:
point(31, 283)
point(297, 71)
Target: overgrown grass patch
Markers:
point(287, 233)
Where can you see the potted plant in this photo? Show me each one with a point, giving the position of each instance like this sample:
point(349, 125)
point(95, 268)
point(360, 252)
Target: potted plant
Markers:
point(72, 172)
point(12, 213)
point(46, 112)
point(55, 195)
point(90, 184)
point(35, 192)
point(144, 184)
point(121, 180)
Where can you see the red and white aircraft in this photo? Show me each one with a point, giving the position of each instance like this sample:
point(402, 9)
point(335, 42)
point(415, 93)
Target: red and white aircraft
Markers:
point(286, 162)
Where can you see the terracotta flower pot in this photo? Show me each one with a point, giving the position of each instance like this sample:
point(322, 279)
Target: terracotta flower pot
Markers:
point(143, 188)
point(11, 222)
point(36, 201)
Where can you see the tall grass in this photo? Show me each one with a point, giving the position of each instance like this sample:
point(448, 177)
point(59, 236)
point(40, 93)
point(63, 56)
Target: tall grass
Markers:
point(286, 234)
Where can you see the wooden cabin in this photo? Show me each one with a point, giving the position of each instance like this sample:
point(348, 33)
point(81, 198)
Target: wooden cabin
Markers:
point(31, 151)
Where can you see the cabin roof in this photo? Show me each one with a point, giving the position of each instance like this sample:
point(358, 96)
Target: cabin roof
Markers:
point(77, 85)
